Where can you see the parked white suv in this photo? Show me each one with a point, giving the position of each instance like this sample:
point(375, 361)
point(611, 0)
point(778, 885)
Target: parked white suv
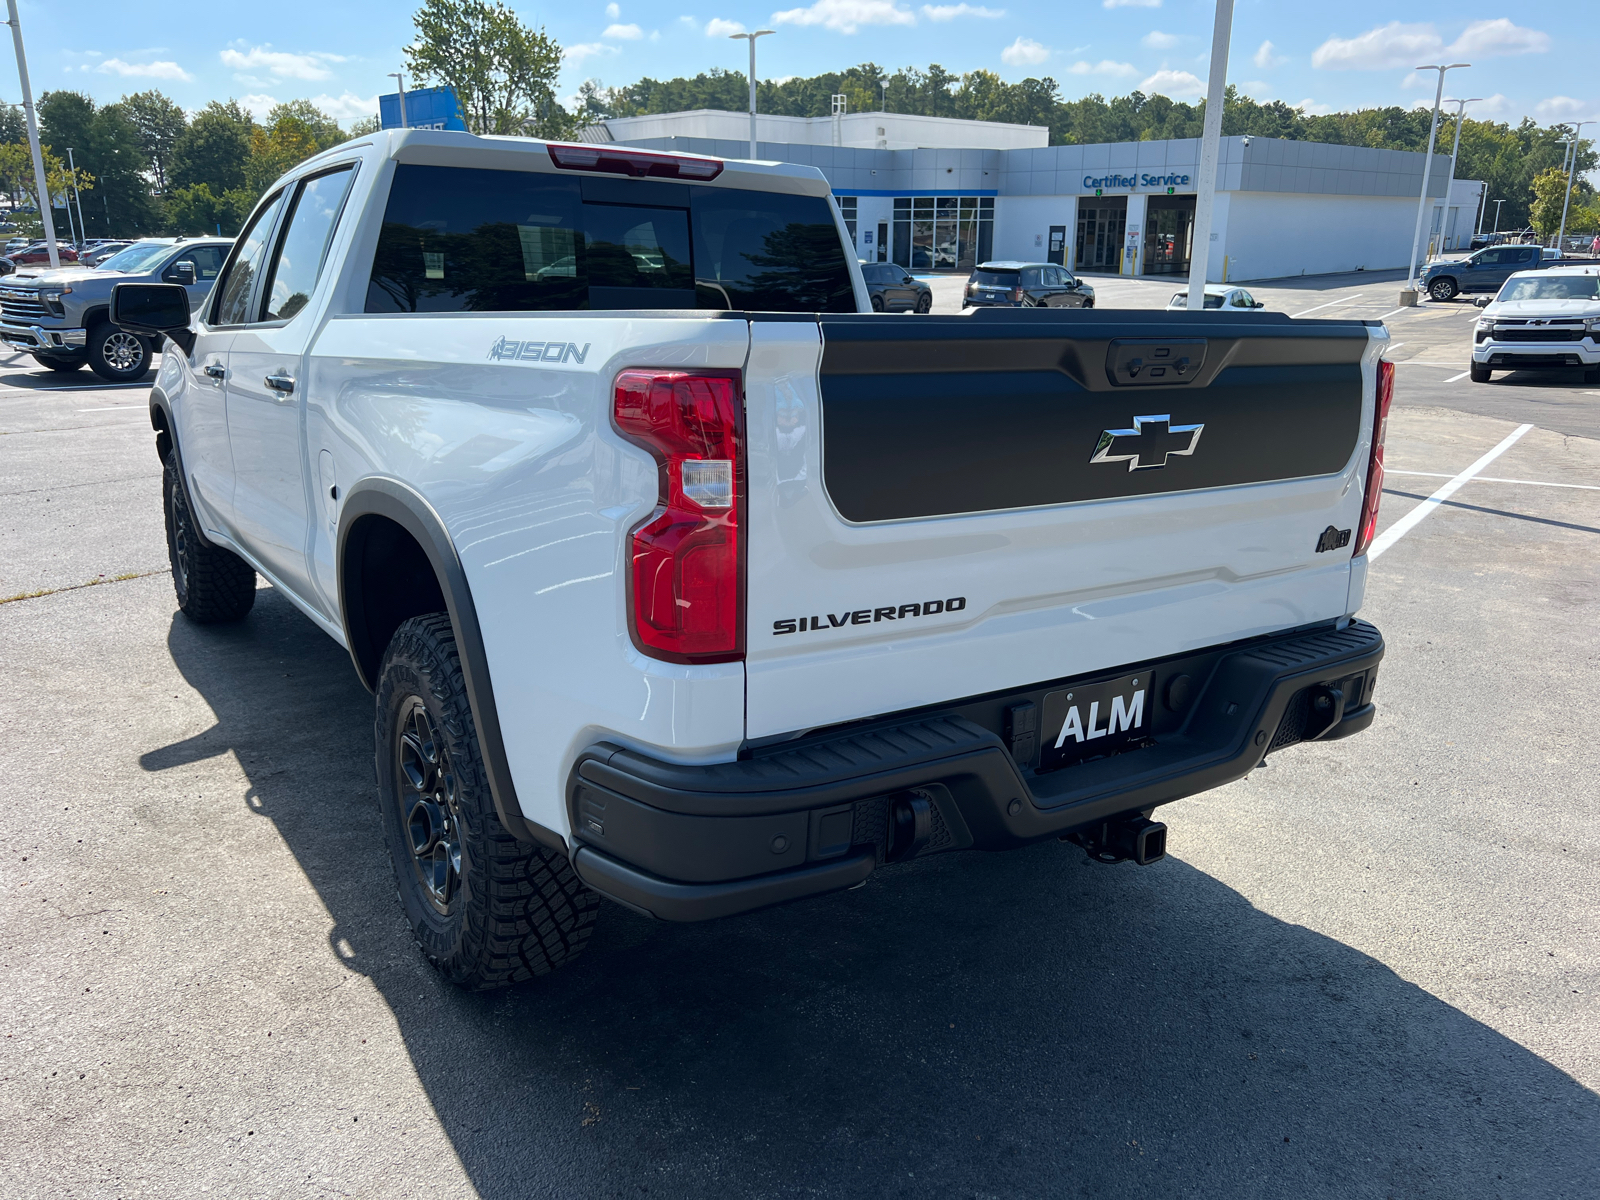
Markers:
point(683, 580)
point(1541, 320)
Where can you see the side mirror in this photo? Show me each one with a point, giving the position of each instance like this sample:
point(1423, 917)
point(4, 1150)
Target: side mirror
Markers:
point(153, 309)
point(183, 272)
point(1260, 304)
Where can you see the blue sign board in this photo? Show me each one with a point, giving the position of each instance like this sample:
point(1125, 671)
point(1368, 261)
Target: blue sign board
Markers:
point(426, 108)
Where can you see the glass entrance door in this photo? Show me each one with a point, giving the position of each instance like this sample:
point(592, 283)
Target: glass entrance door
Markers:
point(1169, 225)
point(1101, 224)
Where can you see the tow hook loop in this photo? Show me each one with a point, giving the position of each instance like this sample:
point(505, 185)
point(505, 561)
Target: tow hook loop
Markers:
point(1327, 710)
point(910, 826)
point(1135, 839)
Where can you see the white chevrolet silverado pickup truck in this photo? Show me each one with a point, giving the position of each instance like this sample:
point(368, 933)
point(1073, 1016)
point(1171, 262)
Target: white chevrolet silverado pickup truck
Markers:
point(684, 580)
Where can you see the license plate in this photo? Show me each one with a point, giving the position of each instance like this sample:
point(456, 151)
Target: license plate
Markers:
point(1091, 721)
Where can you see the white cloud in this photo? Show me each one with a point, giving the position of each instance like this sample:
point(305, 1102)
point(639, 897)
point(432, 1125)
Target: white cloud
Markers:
point(717, 27)
point(624, 33)
point(150, 70)
point(949, 12)
point(846, 16)
point(346, 107)
point(586, 50)
point(1491, 106)
point(689, 23)
point(1564, 108)
point(1500, 36)
point(612, 12)
point(1104, 67)
point(281, 64)
point(1312, 109)
point(1267, 56)
point(1132, 3)
point(1157, 40)
point(1175, 84)
point(258, 105)
point(1024, 52)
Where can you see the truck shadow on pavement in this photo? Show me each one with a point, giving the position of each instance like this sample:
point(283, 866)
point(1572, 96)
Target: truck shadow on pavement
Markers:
point(975, 1025)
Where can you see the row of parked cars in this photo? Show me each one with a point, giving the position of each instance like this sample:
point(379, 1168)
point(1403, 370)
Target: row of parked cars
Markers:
point(25, 252)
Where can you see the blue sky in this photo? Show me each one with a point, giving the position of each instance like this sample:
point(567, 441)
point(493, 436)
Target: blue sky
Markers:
point(1530, 59)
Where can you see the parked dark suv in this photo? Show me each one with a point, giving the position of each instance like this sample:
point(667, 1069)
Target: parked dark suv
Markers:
point(1026, 285)
point(895, 289)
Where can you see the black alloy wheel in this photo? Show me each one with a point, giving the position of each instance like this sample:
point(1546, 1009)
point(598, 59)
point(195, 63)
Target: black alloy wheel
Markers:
point(429, 797)
point(117, 355)
point(1443, 289)
point(877, 304)
point(925, 302)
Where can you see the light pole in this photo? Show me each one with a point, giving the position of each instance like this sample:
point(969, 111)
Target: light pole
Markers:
point(41, 184)
point(751, 38)
point(1497, 205)
point(77, 196)
point(1210, 151)
point(1565, 200)
point(1408, 294)
point(400, 79)
point(1461, 112)
point(884, 84)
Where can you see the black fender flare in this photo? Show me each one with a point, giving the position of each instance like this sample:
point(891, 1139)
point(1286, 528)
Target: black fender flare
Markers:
point(167, 439)
point(382, 496)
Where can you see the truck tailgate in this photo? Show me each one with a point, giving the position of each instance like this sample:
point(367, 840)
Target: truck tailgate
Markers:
point(941, 507)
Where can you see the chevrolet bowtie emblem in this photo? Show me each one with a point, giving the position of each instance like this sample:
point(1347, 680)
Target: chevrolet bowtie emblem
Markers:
point(1148, 445)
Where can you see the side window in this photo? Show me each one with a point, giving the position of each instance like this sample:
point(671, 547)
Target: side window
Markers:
point(768, 252)
point(303, 246)
point(1241, 299)
point(207, 262)
point(1031, 278)
point(250, 252)
point(1528, 254)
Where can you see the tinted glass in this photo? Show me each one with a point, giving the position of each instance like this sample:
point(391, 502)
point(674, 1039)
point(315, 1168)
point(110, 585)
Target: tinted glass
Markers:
point(457, 239)
point(1528, 254)
point(768, 252)
point(1031, 277)
point(137, 257)
point(1212, 301)
point(233, 300)
point(1553, 287)
point(1004, 279)
point(207, 261)
point(304, 244)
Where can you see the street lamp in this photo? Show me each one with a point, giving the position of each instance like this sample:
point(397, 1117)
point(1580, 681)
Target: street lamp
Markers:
point(400, 79)
point(1210, 150)
point(1461, 112)
point(1565, 200)
point(1408, 294)
point(41, 184)
point(884, 84)
point(751, 38)
point(1497, 205)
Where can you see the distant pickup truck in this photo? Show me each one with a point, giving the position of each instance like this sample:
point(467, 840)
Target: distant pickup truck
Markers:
point(1546, 319)
point(63, 317)
point(683, 579)
point(1485, 270)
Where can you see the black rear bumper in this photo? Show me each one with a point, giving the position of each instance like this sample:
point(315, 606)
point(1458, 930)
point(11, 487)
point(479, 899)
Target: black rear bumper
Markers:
point(686, 843)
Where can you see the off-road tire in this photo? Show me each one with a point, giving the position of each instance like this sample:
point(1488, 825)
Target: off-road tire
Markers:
point(925, 302)
point(1479, 373)
point(516, 910)
point(213, 585)
point(116, 355)
point(64, 365)
point(1443, 289)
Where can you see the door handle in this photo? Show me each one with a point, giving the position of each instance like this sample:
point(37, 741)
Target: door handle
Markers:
point(216, 370)
point(280, 381)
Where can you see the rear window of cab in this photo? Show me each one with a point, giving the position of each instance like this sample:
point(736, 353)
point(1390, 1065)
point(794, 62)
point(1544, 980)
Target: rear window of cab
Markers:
point(458, 239)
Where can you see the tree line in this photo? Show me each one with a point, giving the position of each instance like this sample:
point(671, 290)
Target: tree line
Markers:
point(1509, 158)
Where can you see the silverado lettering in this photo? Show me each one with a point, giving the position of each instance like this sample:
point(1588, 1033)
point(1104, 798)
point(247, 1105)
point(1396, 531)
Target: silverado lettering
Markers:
point(866, 616)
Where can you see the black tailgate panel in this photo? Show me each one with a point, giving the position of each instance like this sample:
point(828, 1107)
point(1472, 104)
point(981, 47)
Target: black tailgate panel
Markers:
point(936, 416)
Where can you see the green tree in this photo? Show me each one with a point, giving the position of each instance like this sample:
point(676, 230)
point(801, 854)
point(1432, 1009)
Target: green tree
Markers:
point(214, 150)
point(195, 210)
point(322, 129)
point(503, 72)
point(105, 143)
point(1550, 192)
point(160, 122)
point(362, 126)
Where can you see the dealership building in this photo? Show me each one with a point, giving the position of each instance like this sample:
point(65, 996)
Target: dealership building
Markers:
point(936, 194)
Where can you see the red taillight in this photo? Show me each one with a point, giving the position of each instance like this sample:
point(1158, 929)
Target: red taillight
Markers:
point(687, 572)
point(639, 163)
point(1016, 294)
point(1380, 429)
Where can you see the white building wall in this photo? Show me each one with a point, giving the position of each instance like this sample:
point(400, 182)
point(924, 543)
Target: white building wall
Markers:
point(1022, 226)
point(871, 210)
point(876, 130)
point(1271, 235)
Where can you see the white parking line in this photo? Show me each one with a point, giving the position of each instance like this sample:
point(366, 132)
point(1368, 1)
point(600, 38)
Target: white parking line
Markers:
point(115, 408)
point(1413, 518)
point(1454, 378)
point(1583, 487)
point(1329, 304)
point(1392, 313)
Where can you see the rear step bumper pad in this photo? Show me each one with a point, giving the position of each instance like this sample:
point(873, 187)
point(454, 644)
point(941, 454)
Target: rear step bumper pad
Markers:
point(691, 842)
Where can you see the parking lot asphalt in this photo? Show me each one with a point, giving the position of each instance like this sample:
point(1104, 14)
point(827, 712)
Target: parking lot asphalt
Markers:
point(1369, 969)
